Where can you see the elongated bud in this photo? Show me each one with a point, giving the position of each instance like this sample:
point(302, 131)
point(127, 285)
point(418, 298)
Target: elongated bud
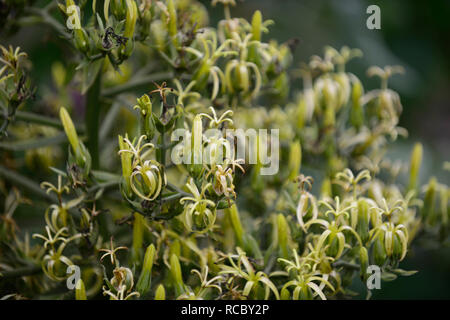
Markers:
point(130, 24)
point(283, 235)
point(257, 25)
point(284, 294)
point(138, 236)
point(397, 250)
point(364, 263)
point(131, 18)
point(415, 162)
point(172, 23)
point(175, 271)
point(126, 159)
point(362, 226)
point(119, 9)
point(242, 76)
point(343, 94)
point(356, 112)
point(80, 291)
point(145, 279)
point(69, 128)
point(160, 293)
point(325, 189)
point(197, 145)
point(295, 160)
point(236, 224)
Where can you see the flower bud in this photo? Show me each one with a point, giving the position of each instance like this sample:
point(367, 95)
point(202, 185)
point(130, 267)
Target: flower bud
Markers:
point(343, 85)
point(126, 159)
point(295, 160)
point(196, 145)
point(160, 293)
point(82, 156)
point(80, 291)
point(285, 294)
point(233, 213)
point(172, 22)
point(175, 271)
point(283, 233)
point(130, 24)
point(242, 76)
point(69, 128)
point(361, 225)
point(356, 112)
point(144, 282)
point(415, 162)
point(379, 251)
point(364, 263)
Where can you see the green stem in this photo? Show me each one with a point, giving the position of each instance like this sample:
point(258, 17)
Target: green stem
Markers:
point(92, 119)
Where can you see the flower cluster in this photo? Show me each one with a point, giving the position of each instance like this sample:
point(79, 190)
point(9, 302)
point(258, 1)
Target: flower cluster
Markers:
point(211, 225)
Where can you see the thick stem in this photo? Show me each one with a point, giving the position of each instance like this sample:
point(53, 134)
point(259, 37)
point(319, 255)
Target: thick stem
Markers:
point(92, 120)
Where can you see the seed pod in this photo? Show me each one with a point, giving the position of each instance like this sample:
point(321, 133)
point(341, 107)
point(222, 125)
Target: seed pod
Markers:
point(364, 263)
point(295, 160)
point(144, 282)
point(160, 293)
point(80, 291)
point(415, 162)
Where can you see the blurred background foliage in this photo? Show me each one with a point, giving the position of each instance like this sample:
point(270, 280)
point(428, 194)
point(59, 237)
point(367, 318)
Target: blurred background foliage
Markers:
point(414, 34)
